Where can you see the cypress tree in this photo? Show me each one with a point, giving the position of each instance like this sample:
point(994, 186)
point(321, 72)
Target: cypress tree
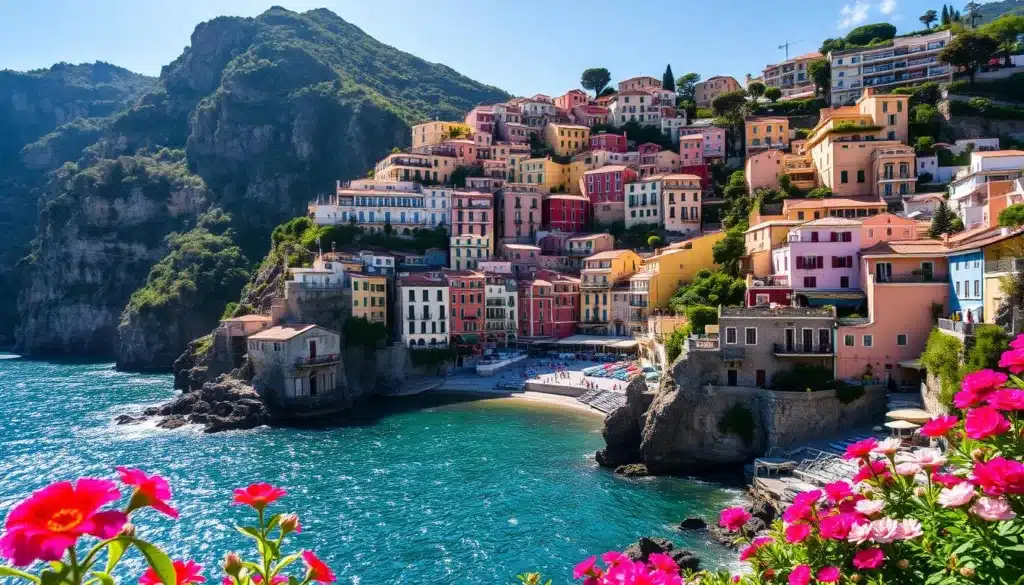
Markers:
point(668, 81)
point(942, 221)
point(945, 15)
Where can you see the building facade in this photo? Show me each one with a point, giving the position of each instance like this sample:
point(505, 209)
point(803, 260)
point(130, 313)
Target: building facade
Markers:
point(605, 187)
point(791, 76)
point(899, 62)
point(707, 91)
point(565, 213)
point(369, 297)
point(643, 202)
point(681, 200)
point(423, 305)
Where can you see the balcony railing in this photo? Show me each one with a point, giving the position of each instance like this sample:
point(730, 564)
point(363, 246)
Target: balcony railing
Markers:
point(801, 349)
point(595, 285)
point(1004, 265)
point(780, 281)
point(637, 302)
point(319, 360)
point(908, 278)
point(958, 327)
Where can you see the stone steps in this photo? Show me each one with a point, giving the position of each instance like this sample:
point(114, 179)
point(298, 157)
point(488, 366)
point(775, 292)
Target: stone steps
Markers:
point(603, 400)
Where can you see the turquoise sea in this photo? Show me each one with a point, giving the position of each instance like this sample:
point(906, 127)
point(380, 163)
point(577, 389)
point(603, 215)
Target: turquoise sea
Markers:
point(417, 490)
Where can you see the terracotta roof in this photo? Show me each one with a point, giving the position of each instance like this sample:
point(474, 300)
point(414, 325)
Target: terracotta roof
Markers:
point(680, 176)
point(773, 223)
point(608, 255)
point(837, 221)
point(830, 202)
point(248, 319)
point(691, 137)
point(925, 197)
point(607, 169)
point(280, 332)
point(571, 126)
point(996, 236)
point(906, 247)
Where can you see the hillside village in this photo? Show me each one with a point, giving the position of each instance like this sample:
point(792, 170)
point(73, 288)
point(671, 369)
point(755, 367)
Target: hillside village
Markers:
point(625, 218)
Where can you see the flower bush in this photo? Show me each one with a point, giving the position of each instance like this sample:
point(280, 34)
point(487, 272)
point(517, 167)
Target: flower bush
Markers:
point(62, 534)
point(920, 515)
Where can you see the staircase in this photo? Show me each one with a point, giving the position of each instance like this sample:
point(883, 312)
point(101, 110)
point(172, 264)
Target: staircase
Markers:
point(603, 400)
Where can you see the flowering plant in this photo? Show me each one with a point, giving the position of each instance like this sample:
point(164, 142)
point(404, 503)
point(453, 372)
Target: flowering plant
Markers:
point(53, 525)
point(917, 515)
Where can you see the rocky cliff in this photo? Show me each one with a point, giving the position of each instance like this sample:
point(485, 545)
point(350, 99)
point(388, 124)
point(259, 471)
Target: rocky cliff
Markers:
point(265, 112)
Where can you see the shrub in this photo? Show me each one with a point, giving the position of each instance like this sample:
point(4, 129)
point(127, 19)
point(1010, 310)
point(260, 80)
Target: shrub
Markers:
point(700, 316)
point(848, 393)
point(739, 421)
point(941, 357)
point(431, 356)
point(990, 341)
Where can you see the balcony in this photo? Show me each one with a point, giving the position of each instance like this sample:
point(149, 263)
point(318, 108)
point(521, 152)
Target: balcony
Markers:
point(799, 349)
point(960, 328)
point(595, 285)
point(637, 302)
point(770, 281)
point(702, 343)
point(1004, 265)
point(320, 360)
point(910, 278)
point(886, 177)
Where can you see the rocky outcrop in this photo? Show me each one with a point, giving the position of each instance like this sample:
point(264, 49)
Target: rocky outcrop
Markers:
point(623, 427)
point(693, 523)
point(222, 405)
point(642, 550)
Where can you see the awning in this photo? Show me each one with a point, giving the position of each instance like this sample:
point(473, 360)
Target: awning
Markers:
point(912, 364)
point(837, 298)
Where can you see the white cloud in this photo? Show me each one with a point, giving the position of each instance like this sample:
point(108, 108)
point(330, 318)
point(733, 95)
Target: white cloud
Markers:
point(855, 15)
point(887, 7)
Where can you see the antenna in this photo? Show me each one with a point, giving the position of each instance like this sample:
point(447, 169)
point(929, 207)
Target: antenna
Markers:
point(786, 47)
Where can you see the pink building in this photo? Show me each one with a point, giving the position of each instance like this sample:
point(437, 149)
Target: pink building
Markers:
point(565, 302)
point(820, 255)
point(902, 280)
point(571, 99)
point(762, 170)
point(589, 115)
point(519, 214)
point(536, 298)
point(481, 119)
point(714, 137)
point(886, 227)
point(524, 257)
point(691, 151)
point(608, 142)
point(565, 213)
point(606, 189)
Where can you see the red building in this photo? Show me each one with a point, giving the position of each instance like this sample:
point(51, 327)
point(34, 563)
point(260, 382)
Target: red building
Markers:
point(518, 213)
point(589, 114)
point(565, 302)
point(768, 289)
point(609, 142)
point(571, 99)
point(606, 189)
point(466, 297)
point(535, 308)
point(691, 158)
point(566, 213)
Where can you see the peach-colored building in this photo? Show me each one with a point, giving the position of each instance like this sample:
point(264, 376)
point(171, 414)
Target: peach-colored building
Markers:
point(481, 119)
point(707, 91)
point(759, 241)
point(691, 150)
point(763, 132)
point(902, 280)
point(886, 227)
point(681, 200)
point(589, 114)
point(518, 213)
point(763, 169)
point(791, 76)
point(571, 99)
point(641, 83)
point(437, 132)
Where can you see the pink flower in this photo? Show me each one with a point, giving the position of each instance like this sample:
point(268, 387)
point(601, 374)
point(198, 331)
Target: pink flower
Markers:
point(983, 381)
point(887, 446)
point(870, 507)
point(801, 575)
point(909, 528)
point(939, 426)
point(999, 476)
point(258, 495)
point(613, 558)
point(993, 509)
point(926, 458)
point(586, 567)
point(275, 580)
point(869, 558)
point(838, 526)
point(838, 491)
point(663, 563)
point(984, 422)
point(1006, 399)
point(859, 533)
point(828, 575)
point(871, 469)
point(907, 469)
point(797, 533)
point(808, 498)
point(795, 513)
point(1018, 342)
point(52, 519)
point(885, 530)
point(755, 545)
point(946, 479)
point(150, 490)
point(1012, 360)
point(732, 519)
point(960, 494)
point(185, 572)
point(318, 570)
point(860, 449)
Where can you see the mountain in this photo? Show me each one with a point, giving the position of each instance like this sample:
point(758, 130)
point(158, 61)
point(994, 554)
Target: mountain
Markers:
point(77, 99)
point(249, 123)
point(993, 10)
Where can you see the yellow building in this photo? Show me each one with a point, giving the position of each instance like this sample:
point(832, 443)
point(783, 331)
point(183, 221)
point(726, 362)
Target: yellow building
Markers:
point(370, 297)
point(566, 139)
point(405, 166)
point(600, 273)
point(551, 176)
point(766, 132)
point(466, 252)
point(1004, 255)
point(759, 241)
point(660, 276)
point(430, 133)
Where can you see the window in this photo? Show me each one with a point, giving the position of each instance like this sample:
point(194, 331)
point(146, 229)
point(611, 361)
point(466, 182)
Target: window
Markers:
point(868, 340)
point(901, 339)
point(958, 288)
point(848, 340)
point(860, 176)
point(730, 335)
point(844, 282)
point(761, 299)
point(751, 335)
point(810, 282)
point(977, 293)
point(844, 177)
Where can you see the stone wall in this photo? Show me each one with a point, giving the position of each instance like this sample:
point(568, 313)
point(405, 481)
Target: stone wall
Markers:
point(554, 389)
point(793, 419)
point(930, 389)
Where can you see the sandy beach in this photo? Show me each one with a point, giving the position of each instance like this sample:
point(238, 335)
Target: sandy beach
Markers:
point(533, 398)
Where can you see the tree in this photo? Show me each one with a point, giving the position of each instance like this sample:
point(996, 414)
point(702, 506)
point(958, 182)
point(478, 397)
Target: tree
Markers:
point(820, 71)
point(969, 50)
point(973, 12)
point(773, 93)
point(1006, 30)
point(608, 91)
point(727, 251)
point(653, 241)
point(945, 16)
point(829, 45)
point(686, 86)
point(942, 221)
point(700, 316)
point(864, 35)
point(595, 79)
point(819, 193)
point(667, 80)
point(925, 145)
point(730, 102)
point(710, 289)
point(928, 18)
point(755, 89)
point(1012, 216)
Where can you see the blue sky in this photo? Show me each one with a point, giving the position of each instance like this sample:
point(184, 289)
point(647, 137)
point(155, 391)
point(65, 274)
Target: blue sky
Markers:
point(522, 46)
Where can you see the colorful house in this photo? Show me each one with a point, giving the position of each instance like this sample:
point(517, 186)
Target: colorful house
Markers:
point(536, 297)
point(820, 256)
point(565, 213)
point(369, 297)
point(472, 214)
point(482, 120)
point(501, 322)
point(966, 283)
point(518, 213)
point(600, 274)
point(706, 91)
point(566, 139)
point(466, 294)
point(588, 244)
point(589, 115)
point(609, 142)
point(468, 251)
point(978, 194)
point(430, 133)
point(643, 201)
point(714, 137)
point(422, 306)
point(903, 280)
point(886, 227)
point(571, 99)
point(763, 169)
point(766, 132)
point(1003, 256)
point(565, 305)
point(661, 275)
point(759, 241)
point(681, 201)
point(605, 188)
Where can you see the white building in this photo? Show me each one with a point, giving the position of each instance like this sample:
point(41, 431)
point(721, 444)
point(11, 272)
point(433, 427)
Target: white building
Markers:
point(928, 164)
point(670, 127)
point(325, 273)
point(373, 204)
point(969, 192)
point(899, 62)
point(643, 201)
point(423, 306)
point(635, 106)
point(500, 303)
point(603, 158)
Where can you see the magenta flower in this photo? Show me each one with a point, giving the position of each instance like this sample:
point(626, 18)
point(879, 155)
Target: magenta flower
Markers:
point(587, 567)
point(1006, 399)
point(999, 476)
point(837, 526)
point(795, 513)
point(1012, 360)
point(946, 479)
point(838, 491)
point(150, 490)
point(755, 545)
point(939, 426)
point(613, 558)
point(828, 575)
point(663, 563)
point(860, 449)
point(871, 469)
point(984, 422)
point(258, 495)
point(983, 380)
point(733, 519)
point(808, 498)
point(993, 509)
point(1018, 342)
point(185, 573)
point(801, 575)
point(797, 533)
point(869, 558)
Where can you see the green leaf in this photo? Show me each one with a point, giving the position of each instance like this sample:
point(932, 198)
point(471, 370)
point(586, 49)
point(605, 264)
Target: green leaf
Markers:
point(49, 577)
point(104, 578)
point(115, 550)
point(284, 563)
point(998, 561)
point(158, 561)
point(292, 580)
point(250, 531)
point(273, 522)
point(10, 572)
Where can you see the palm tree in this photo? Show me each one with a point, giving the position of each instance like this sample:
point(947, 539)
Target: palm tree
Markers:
point(928, 18)
point(973, 10)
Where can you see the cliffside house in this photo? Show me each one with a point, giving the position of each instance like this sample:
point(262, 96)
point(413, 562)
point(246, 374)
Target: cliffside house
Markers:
point(296, 367)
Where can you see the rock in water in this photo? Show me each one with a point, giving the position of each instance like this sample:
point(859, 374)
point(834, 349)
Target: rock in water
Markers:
point(632, 470)
point(623, 427)
point(693, 523)
point(642, 549)
point(223, 405)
